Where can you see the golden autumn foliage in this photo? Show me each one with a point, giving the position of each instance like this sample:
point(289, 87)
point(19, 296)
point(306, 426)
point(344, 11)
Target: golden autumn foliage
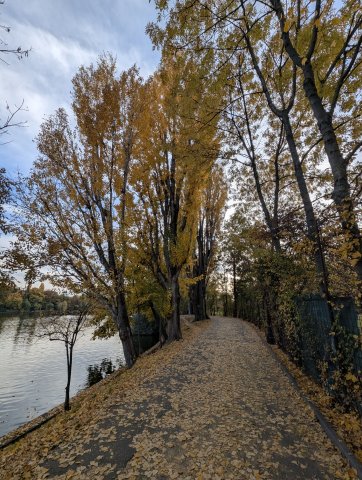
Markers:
point(255, 103)
point(76, 201)
point(179, 149)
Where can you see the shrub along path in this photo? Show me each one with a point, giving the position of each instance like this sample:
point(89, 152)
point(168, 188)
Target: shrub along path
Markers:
point(215, 406)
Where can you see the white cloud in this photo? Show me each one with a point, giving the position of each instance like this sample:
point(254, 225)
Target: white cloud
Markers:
point(63, 36)
point(43, 81)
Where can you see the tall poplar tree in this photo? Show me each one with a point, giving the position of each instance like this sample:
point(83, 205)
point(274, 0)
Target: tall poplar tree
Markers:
point(210, 218)
point(75, 205)
point(324, 41)
point(179, 148)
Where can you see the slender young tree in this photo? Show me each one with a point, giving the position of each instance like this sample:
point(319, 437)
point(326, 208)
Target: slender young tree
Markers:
point(66, 329)
point(246, 133)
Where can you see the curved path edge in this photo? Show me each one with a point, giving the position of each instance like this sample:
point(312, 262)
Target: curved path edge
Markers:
point(325, 424)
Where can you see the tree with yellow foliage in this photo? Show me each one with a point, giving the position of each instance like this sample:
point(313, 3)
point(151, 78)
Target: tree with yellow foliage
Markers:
point(307, 57)
point(210, 218)
point(179, 148)
point(76, 203)
point(324, 42)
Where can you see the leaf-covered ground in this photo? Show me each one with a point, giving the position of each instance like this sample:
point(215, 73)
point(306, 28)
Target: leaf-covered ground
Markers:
point(348, 424)
point(214, 406)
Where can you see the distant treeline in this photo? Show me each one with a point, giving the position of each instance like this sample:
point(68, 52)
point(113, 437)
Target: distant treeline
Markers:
point(14, 299)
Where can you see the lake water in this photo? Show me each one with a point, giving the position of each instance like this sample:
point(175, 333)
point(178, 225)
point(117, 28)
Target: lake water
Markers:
point(33, 370)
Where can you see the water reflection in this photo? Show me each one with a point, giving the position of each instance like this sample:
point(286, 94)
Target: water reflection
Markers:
point(25, 330)
point(99, 371)
point(96, 373)
point(33, 370)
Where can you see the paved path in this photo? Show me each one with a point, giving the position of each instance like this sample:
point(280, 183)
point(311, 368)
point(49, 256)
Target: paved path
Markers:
point(222, 409)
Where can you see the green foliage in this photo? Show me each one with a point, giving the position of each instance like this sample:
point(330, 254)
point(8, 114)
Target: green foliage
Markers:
point(13, 299)
point(346, 381)
point(272, 287)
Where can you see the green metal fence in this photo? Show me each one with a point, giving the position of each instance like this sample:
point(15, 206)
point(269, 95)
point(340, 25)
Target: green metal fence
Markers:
point(321, 331)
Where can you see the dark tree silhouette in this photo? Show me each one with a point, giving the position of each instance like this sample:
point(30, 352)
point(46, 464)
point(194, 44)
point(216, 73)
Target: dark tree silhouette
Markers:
point(66, 329)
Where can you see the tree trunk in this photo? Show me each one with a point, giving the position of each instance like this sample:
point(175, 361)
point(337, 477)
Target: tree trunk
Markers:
point(67, 397)
point(307, 204)
point(174, 324)
point(198, 298)
point(69, 376)
point(272, 222)
point(269, 320)
point(193, 301)
point(190, 301)
point(206, 316)
point(226, 306)
point(160, 323)
point(341, 191)
point(235, 290)
point(124, 331)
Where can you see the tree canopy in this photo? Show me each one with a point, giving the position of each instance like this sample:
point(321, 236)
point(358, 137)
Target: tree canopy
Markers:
point(229, 181)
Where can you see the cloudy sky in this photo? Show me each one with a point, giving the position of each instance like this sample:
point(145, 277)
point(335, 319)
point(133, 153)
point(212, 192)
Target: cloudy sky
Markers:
point(62, 35)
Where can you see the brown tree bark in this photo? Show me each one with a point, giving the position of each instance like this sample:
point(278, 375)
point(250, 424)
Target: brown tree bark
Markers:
point(124, 329)
point(174, 323)
point(235, 291)
point(283, 113)
point(69, 349)
point(310, 217)
point(161, 324)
